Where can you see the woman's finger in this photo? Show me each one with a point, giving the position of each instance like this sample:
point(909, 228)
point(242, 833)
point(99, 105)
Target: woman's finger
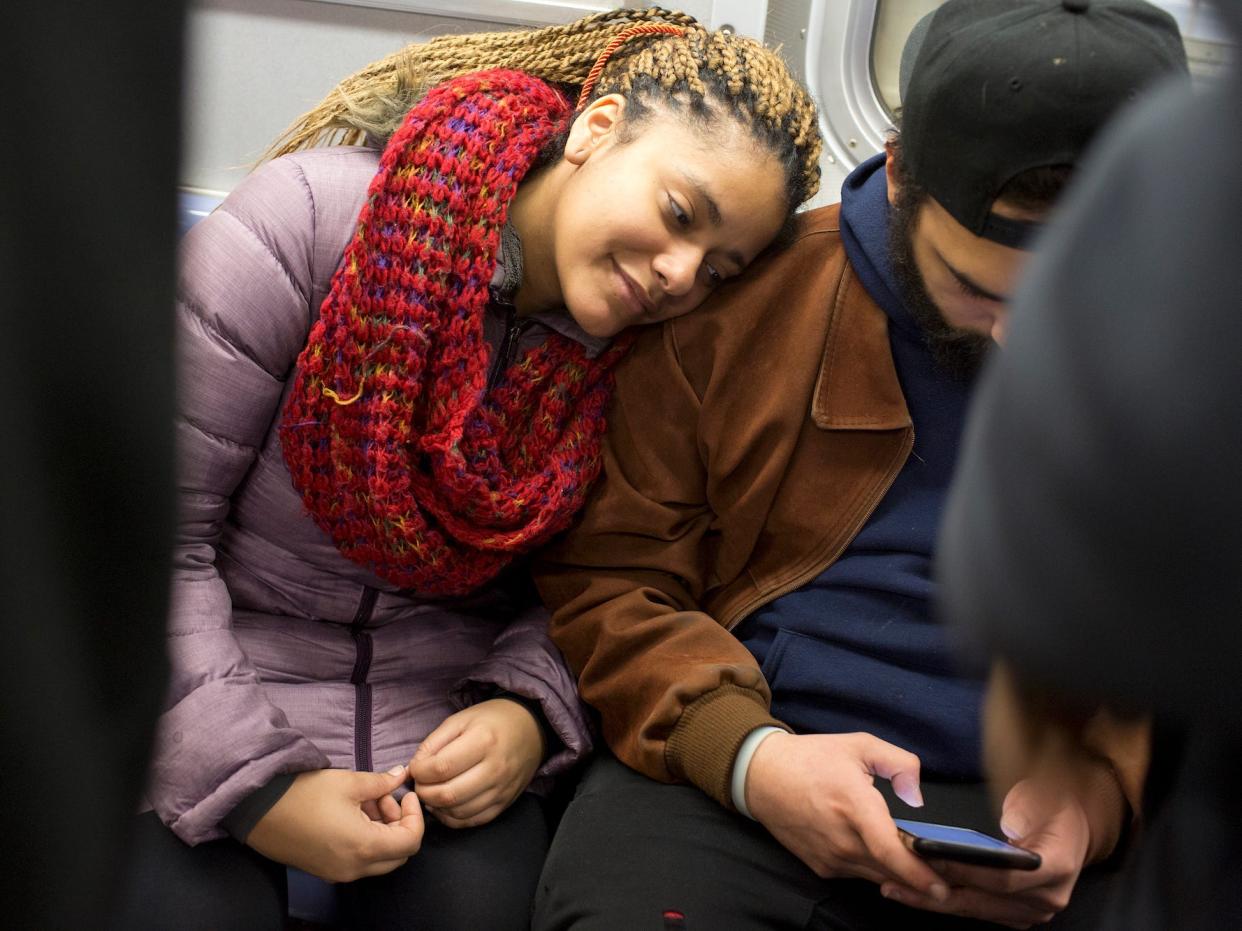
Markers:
point(457, 790)
point(453, 758)
point(489, 813)
point(389, 808)
point(448, 731)
point(477, 805)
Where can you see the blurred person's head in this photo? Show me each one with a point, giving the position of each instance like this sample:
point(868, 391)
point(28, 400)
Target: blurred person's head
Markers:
point(1000, 98)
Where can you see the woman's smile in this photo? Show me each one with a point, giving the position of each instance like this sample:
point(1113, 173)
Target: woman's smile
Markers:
point(634, 297)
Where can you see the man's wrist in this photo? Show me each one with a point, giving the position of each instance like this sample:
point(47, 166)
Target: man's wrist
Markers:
point(703, 745)
point(741, 765)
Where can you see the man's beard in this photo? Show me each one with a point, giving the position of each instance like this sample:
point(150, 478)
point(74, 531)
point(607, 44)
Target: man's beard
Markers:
point(957, 353)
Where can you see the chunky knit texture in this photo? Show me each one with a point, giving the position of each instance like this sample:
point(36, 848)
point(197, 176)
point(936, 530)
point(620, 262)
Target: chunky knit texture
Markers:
point(388, 434)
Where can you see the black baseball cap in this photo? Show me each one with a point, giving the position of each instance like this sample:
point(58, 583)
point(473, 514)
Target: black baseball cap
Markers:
point(992, 88)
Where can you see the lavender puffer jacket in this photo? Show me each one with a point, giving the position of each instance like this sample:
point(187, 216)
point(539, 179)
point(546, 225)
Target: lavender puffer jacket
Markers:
point(285, 656)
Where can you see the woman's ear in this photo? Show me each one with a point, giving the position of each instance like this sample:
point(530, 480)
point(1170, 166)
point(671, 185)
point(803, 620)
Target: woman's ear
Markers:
point(593, 127)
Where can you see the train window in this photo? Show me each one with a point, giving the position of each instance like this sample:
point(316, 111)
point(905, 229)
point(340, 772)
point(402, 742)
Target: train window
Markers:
point(1208, 46)
point(893, 23)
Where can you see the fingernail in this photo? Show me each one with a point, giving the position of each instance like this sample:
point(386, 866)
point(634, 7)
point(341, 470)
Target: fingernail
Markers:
point(396, 771)
point(938, 891)
point(891, 894)
point(1013, 827)
point(911, 796)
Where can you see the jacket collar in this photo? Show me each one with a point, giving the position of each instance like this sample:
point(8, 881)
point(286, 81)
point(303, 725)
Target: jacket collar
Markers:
point(857, 387)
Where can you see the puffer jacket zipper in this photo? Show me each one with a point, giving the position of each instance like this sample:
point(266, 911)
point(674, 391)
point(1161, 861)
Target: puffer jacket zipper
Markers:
point(508, 345)
point(362, 688)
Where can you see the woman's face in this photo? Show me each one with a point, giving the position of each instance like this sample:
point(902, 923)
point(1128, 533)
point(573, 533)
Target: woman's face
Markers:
point(644, 230)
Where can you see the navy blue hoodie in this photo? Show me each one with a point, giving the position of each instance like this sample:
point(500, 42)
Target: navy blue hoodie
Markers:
point(856, 649)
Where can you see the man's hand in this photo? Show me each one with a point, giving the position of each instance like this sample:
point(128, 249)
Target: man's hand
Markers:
point(815, 794)
point(319, 825)
point(472, 767)
point(1043, 817)
point(1069, 807)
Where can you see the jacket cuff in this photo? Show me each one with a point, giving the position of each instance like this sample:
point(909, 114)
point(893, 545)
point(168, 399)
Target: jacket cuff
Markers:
point(241, 820)
point(710, 731)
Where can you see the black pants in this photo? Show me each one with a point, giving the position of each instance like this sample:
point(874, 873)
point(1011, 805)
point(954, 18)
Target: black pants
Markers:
point(479, 879)
point(629, 849)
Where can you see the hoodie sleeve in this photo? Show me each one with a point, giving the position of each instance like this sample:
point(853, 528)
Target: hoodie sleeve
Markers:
point(243, 314)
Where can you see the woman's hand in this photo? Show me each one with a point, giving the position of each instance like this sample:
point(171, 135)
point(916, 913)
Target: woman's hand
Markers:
point(320, 825)
point(472, 767)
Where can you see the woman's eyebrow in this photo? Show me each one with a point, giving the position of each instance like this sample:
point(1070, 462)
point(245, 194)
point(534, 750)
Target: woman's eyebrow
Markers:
point(713, 209)
point(713, 213)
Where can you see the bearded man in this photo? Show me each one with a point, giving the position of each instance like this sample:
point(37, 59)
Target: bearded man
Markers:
point(746, 598)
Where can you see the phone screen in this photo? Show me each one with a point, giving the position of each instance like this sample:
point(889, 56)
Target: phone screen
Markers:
point(951, 835)
point(952, 843)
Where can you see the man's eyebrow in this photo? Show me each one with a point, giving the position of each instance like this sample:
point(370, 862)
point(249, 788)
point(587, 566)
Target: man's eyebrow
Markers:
point(973, 286)
point(713, 213)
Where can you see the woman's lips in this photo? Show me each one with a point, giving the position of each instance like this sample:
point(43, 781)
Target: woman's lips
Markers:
point(632, 295)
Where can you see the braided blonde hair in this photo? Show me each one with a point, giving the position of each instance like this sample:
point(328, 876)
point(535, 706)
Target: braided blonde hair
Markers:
point(699, 69)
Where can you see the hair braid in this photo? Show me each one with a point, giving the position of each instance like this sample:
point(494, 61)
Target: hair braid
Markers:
point(373, 100)
point(712, 74)
point(732, 72)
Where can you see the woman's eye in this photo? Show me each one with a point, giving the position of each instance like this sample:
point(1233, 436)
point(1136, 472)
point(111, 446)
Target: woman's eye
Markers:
point(679, 215)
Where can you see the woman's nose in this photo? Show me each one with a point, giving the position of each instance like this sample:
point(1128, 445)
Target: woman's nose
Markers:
point(677, 268)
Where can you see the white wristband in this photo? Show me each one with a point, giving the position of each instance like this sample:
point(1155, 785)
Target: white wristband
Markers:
point(741, 764)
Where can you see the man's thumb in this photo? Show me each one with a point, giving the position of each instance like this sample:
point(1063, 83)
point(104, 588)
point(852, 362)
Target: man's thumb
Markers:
point(900, 767)
point(1025, 807)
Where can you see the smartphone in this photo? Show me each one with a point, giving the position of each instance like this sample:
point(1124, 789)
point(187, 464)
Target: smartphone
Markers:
point(943, 842)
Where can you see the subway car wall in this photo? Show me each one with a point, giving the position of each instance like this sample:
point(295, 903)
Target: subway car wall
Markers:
point(252, 67)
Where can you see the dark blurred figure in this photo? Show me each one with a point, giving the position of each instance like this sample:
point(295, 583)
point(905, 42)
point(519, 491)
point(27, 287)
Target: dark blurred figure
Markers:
point(87, 178)
point(1094, 538)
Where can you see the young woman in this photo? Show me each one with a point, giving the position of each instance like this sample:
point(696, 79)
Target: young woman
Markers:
point(394, 367)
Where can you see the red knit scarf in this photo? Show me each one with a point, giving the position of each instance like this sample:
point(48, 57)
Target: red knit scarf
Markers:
point(387, 432)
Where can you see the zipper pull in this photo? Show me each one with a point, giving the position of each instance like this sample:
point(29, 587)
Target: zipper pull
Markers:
point(501, 361)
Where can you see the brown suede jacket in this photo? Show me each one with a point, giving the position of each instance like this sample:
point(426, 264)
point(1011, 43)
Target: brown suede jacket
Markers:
point(748, 443)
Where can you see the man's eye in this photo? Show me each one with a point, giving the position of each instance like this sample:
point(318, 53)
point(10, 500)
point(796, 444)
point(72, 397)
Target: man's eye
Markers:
point(966, 289)
point(679, 215)
point(971, 291)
